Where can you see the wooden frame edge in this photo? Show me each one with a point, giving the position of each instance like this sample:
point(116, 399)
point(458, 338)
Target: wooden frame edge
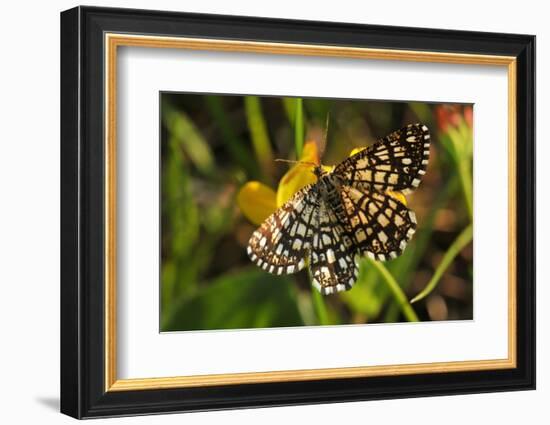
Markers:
point(113, 40)
point(137, 384)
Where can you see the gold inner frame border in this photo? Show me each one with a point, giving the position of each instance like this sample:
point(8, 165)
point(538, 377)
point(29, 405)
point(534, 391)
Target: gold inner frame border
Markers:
point(112, 41)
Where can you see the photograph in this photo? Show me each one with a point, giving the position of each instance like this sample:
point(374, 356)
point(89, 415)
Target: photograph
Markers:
point(287, 211)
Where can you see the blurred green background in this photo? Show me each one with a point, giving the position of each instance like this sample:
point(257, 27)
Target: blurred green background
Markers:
point(212, 145)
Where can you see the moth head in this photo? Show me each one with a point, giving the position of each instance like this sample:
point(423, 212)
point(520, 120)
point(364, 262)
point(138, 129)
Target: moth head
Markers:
point(318, 171)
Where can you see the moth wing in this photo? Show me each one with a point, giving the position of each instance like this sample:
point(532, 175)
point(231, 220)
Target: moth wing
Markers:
point(395, 163)
point(281, 243)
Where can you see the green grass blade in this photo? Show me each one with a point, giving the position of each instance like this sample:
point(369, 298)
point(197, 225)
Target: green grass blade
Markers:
point(299, 127)
point(396, 291)
point(460, 242)
point(258, 132)
point(320, 307)
point(235, 145)
point(289, 106)
point(466, 181)
point(459, 144)
point(189, 137)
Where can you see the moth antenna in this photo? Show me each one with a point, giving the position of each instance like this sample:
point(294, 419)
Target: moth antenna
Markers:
point(295, 162)
point(325, 137)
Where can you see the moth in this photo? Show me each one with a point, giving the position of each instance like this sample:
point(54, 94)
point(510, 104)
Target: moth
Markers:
point(346, 213)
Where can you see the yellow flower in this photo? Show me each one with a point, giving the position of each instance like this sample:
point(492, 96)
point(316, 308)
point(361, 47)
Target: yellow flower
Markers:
point(258, 201)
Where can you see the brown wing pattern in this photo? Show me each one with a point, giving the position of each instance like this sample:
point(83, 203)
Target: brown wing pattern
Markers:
point(281, 243)
point(396, 163)
point(379, 225)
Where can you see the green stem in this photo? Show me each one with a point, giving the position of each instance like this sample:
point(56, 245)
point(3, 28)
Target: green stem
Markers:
point(461, 146)
point(459, 243)
point(318, 303)
point(320, 307)
point(466, 180)
point(396, 291)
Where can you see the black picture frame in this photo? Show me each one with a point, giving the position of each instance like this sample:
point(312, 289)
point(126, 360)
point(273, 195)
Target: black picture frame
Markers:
point(83, 392)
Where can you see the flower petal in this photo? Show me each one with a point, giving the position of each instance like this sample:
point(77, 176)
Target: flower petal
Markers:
point(256, 201)
point(299, 174)
point(357, 150)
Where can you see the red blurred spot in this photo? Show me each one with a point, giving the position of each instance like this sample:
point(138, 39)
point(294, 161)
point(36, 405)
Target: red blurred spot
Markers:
point(452, 115)
point(442, 117)
point(469, 115)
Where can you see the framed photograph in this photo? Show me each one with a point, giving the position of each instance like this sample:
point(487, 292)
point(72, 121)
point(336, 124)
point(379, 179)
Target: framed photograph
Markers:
point(261, 212)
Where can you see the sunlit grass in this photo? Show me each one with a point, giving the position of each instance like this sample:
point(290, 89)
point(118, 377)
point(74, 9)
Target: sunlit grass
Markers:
point(213, 145)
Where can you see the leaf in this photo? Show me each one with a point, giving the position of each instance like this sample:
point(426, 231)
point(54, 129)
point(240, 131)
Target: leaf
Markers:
point(299, 127)
point(249, 299)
